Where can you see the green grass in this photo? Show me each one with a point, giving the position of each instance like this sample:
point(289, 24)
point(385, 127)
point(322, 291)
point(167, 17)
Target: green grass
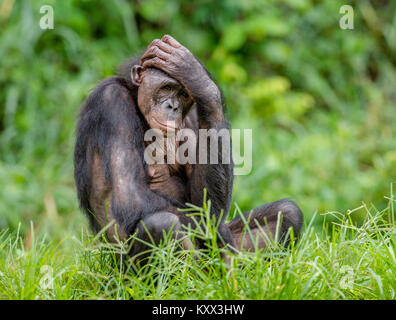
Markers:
point(343, 261)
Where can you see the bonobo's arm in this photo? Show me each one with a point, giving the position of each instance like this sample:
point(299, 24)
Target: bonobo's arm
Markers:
point(111, 117)
point(170, 56)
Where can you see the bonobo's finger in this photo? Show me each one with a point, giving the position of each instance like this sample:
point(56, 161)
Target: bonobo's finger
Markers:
point(172, 41)
point(165, 47)
point(154, 52)
point(153, 43)
point(154, 63)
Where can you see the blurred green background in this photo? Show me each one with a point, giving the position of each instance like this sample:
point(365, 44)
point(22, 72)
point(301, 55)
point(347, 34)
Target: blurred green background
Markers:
point(320, 100)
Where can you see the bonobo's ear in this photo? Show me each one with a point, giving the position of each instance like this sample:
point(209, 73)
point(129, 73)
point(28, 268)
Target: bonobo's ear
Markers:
point(136, 74)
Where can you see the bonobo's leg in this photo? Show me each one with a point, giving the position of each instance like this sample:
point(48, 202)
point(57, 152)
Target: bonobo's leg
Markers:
point(262, 222)
point(152, 230)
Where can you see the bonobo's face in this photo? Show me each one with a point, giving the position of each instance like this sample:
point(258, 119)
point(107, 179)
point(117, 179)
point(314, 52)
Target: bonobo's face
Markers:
point(162, 100)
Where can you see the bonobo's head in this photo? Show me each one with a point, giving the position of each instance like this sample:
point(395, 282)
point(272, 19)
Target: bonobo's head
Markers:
point(163, 101)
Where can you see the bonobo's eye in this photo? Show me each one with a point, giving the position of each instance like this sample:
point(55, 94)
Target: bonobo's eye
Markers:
point(166, 87)
point(184, 94)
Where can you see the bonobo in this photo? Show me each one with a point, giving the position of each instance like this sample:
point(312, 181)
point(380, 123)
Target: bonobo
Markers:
point(166, 89)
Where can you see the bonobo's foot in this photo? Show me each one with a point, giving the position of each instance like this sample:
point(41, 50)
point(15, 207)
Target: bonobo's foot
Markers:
point(258, 232)
point(152, 231)
point(262, 222)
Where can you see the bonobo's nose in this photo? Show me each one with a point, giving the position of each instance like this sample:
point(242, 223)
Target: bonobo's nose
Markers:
point(170, 106)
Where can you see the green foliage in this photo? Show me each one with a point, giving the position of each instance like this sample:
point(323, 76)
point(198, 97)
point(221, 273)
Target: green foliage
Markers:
point(320, 100)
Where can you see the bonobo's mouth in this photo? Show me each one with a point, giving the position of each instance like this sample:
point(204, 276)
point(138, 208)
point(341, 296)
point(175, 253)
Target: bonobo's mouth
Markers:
point(165, 126)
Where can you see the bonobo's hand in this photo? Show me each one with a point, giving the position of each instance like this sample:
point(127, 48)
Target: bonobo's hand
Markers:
point(177, 61)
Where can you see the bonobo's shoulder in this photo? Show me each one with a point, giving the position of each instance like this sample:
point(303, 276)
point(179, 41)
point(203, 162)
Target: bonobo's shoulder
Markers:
point(108, 94)
point(115, 86)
